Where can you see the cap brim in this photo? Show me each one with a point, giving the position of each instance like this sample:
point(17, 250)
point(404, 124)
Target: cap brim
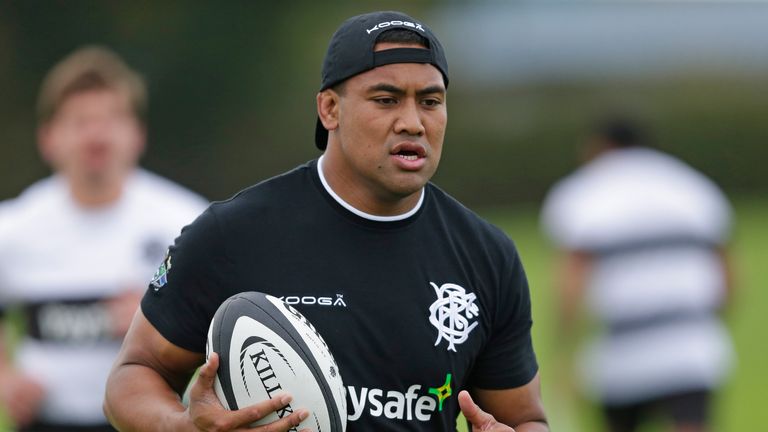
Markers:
point(321, 135)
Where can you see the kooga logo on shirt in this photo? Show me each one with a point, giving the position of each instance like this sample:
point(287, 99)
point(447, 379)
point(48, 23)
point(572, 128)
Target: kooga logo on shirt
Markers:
point(414, 404)
point(313, 300)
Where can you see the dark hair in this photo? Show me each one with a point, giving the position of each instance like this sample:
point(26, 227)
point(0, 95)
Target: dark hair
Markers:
point(400, 35)
point(621, 132)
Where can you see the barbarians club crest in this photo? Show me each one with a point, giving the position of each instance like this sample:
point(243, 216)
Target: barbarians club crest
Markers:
point(453, 314)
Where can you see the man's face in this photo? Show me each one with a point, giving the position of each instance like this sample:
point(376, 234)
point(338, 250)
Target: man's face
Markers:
point(94, 136)
point(391, 125)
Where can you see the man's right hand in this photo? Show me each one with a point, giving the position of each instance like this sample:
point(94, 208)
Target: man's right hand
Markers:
point(142, 392)
point(208, 414)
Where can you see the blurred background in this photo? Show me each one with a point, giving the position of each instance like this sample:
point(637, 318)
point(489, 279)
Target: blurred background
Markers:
point(232, 101)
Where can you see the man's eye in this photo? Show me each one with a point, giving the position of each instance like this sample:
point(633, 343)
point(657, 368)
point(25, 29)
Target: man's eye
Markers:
point(431, 102)
point(386, 101)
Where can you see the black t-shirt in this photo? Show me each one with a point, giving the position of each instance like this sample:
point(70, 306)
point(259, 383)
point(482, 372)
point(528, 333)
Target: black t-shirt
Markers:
point(413, 310)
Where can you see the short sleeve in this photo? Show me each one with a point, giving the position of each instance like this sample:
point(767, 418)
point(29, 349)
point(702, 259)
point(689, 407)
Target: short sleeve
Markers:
point(508, 359)
point(189, 285)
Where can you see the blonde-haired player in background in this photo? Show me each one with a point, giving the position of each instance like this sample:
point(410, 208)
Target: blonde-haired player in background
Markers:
point(77, 248)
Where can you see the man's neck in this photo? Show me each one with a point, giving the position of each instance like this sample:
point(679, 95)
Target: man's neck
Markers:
point(401, 210)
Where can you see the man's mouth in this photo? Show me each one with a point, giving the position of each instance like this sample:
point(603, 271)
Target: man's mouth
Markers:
point(407, 155)
point(409, 151)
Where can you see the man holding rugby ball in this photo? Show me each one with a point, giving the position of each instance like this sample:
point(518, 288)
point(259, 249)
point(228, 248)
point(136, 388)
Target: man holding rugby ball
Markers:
point(417, 297)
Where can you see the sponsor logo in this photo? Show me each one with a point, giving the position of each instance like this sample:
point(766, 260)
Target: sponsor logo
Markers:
point(312, 300)
point(452, 313)
point(396, 23)
point(260, 361)
point(160, 277)
point(443, 392)
point(414, 404)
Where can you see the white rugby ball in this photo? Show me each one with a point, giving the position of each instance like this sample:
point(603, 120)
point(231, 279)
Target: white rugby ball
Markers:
point(267, 347)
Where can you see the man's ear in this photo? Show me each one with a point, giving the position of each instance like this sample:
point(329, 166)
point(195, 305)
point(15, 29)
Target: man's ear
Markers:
point(328, 108)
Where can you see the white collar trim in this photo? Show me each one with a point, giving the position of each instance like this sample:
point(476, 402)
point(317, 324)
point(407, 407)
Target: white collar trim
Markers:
point(360, 213)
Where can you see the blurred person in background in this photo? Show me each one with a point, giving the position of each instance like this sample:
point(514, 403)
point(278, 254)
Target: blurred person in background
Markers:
point(77, 248)
point(643, 239)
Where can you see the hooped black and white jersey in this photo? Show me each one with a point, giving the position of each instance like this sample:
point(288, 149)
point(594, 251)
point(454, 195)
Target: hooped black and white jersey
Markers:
point(414, 308)
point(60, 264)
point(655, 227)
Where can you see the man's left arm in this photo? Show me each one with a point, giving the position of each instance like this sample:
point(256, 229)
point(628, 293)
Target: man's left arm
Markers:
point(520, 408)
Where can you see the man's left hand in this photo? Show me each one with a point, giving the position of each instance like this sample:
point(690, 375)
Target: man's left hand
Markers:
point(479, 419)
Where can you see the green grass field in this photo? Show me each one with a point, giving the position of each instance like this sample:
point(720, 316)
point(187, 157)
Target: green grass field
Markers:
point(739, 407)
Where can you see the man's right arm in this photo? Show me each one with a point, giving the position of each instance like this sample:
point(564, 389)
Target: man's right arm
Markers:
point(150, 374)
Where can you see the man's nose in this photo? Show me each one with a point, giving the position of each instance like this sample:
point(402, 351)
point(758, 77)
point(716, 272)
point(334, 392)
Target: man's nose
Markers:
point(409, 119)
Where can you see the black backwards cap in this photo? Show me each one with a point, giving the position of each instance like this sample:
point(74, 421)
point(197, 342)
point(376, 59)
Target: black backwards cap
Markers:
point(350, 52)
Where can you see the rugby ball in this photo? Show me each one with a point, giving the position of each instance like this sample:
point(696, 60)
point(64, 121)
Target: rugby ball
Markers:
point(267, 347)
